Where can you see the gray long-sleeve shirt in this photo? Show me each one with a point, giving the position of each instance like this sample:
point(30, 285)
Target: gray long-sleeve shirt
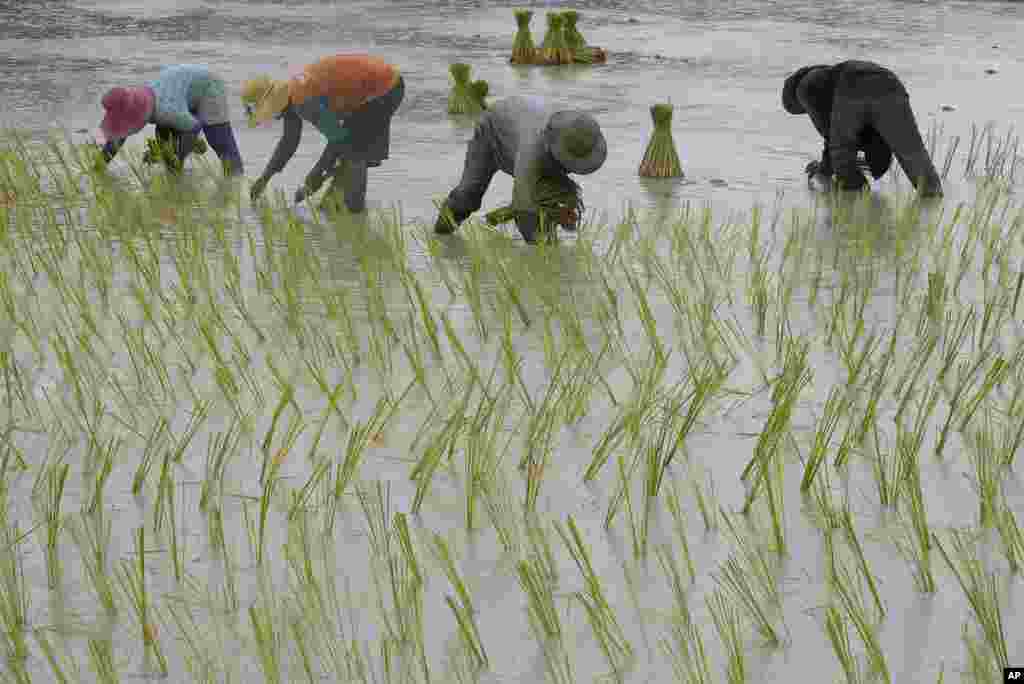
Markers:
point(516, 126)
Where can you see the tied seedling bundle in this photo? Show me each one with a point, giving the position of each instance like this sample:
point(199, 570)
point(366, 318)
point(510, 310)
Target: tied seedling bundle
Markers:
point(554, 49)
point(581, 52)
point(554, 196)
point(523, 49)
point(163, 151)
point(465, 97)
point(480, 90)
point(661, 159)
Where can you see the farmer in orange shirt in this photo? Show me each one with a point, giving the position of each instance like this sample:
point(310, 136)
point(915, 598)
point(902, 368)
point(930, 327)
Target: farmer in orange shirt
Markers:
point(351, 100)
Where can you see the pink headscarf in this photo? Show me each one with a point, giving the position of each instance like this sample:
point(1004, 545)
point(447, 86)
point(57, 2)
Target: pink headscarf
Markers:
point(128, 110)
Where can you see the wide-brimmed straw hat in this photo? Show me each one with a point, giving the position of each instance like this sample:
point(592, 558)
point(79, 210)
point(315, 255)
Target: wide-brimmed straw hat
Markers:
point(576, 141)
point(264, 98)
point(128, 110)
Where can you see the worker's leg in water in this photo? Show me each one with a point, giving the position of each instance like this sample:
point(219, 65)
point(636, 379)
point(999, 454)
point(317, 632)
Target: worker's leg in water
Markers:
point(222, 139)
point(894, 120)
point(848, 121)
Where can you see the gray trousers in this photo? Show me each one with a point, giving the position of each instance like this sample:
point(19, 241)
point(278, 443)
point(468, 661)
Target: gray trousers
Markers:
point(349, 183)
point(893, 120)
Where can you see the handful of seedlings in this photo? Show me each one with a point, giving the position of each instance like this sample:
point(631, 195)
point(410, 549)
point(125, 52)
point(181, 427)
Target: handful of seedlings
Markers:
point(661, 159)
point(555, 197)
point(163, 151)
point(466, 97)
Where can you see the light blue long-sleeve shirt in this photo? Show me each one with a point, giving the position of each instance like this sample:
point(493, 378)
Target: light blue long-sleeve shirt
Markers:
point(178, 89)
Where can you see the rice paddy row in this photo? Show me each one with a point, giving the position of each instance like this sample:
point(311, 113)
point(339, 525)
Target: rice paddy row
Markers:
point(216, 448)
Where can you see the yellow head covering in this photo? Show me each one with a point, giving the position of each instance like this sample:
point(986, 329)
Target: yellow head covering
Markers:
point(264, 98)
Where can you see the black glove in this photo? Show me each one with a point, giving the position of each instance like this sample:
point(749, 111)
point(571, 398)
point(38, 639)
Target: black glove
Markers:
point(528, 223)
point(258, 186)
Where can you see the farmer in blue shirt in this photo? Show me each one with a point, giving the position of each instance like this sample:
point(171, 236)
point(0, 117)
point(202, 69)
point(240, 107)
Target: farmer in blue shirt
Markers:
point(182, 101)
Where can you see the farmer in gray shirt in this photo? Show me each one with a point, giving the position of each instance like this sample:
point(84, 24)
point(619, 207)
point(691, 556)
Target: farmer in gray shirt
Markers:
point(527, 138)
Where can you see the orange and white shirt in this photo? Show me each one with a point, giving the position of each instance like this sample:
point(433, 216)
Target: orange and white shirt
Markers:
point(348, 81)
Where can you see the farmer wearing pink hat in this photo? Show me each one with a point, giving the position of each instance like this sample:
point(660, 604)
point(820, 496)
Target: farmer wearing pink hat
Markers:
point(182, 101)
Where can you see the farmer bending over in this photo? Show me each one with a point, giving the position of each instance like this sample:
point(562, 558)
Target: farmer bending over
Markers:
point(351, 100)
point(528, 139)
point(855, 106)
point(182, 101)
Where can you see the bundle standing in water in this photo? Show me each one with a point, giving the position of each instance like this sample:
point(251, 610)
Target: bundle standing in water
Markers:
point(661, 159)
point(462, 99)
point(573, 38)
point(523, 49)
point(554, 49)
point(480, 90)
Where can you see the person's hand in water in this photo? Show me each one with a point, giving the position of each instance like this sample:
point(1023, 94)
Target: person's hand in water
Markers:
point(257, 187)
point(816, 180)
point(568, 218)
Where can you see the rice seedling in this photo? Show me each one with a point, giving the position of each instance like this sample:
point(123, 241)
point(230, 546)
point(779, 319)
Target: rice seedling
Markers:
point(728, 625)
point(862, 564)
point(106, 458)
point(679, 525)
point(846, 589)
point(987, 472)
point(92, 536)
point(661, 160)
point(612, 639)
point(463, 608)
point(1010, 535)
point(464, 97)
point(268, 641)
point(50, 509)
point(981, 589)
point(51, 657)
point(554, 49)
point(748, 579)
point(269, 479)
point(523, 49)
point(14, 597)
point(101, 657)
point(839, 638)
point(132, 581)
point(544, 619)
point(835, 407)
point(795, 375)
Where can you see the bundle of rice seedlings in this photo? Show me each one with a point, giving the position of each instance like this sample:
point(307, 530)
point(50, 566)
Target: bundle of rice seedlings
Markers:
point(523, 49)
point(461, 100)
point(573, 37)
point(661, 159)
point(554, 49)
point(553, 194)
point(589, 55)
point(163, 151)
point(480, 90)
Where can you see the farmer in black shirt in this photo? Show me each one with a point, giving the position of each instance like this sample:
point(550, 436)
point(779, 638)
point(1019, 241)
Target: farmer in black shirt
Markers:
point(855, 106)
